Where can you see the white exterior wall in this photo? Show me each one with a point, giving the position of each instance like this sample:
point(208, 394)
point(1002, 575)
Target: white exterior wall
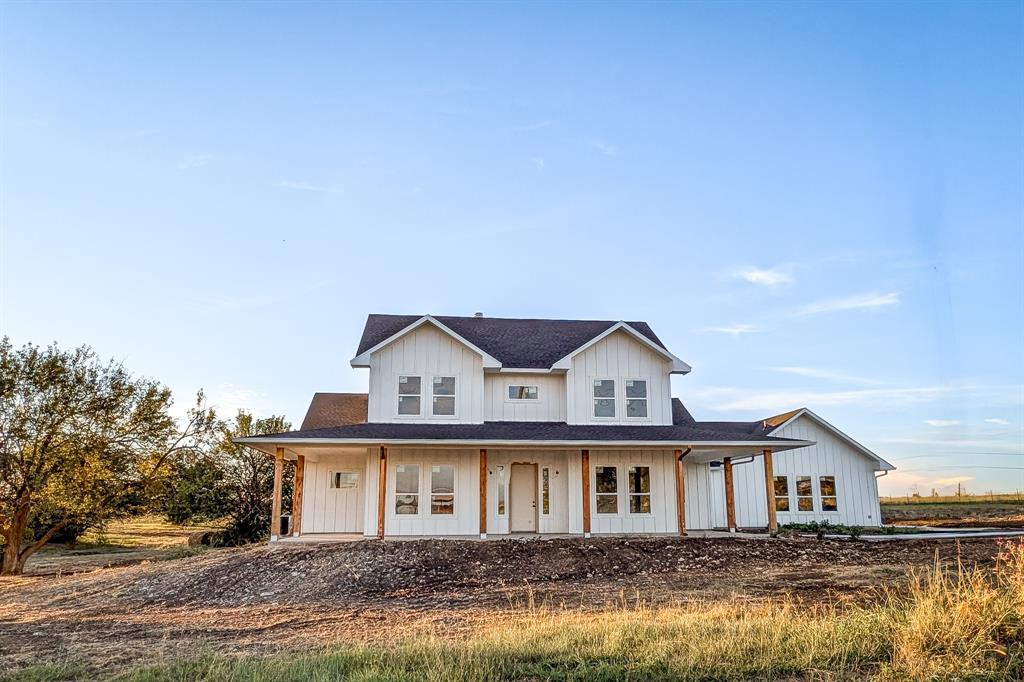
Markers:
point(618, 356)
point(549, 406)
point(465, 520)
point(856, 487)
point(326, 510)
point(663, 517)
point(500, 461)
point(705, 496)
point(426, 352)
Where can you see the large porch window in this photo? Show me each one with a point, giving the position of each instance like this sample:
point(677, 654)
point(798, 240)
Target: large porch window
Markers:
point(407, 489)
point(804, 494)
point(639, 490)
point(781, 484)
point(827, 487)
point(607, 489)
point(442, 489)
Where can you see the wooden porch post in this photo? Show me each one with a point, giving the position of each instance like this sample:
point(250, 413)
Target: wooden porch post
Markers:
point(769, 485)
point(681, 489)
point(275, 504)
point(585, 455)
point(483, 494)
point(382, 477)
point(300, 477)
point(730, 497)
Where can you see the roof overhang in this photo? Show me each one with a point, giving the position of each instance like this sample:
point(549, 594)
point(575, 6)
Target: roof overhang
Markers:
point(678, 366)
point(363, 359)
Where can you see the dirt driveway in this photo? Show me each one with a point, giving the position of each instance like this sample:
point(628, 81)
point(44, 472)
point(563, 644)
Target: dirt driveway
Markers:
point(264, 599)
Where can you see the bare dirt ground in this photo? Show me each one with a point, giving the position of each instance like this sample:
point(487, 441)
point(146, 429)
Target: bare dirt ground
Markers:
point(265, 599)
point(956, 514)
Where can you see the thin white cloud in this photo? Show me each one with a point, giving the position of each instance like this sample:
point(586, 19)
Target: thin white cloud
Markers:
point(826, 374)
point(538, 163)
point(765, 277)
point(195, 161)
point(942, 422)
point(735, 329)
point(530, 127)
point(1007, 447)
point(1000, 422)
point(953, 480)
point(304, 186)
point(606, 148)
point(859, 302)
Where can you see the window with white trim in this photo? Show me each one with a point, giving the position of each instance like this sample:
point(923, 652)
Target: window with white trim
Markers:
point(827, 488)
point(520, 392)
point(407, 489)
point(804, 494)
point(545, 491)
point(606, 488)
point(639, 490)
point(636, 398)
point(344, 480)
point(604, 398)
point(442, 489)
point(501, 490)
point(781, 484)
point(410, 390)
point(443, 394)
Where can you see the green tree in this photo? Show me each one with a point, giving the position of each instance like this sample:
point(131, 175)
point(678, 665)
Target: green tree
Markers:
point(249, 475)
point(79, 438)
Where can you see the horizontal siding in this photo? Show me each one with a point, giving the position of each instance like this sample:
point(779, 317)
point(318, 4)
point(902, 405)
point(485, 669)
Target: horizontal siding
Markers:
point(549, 406)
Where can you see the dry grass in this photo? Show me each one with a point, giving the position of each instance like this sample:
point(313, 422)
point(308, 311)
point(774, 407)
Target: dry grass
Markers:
point(1004, 498)
point(950, 623)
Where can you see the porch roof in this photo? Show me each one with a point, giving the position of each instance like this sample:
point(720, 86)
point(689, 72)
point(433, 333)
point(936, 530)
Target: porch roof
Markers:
point(536, 434)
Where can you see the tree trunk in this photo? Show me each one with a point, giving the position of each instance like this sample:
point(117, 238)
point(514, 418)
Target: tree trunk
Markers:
point(12, 562)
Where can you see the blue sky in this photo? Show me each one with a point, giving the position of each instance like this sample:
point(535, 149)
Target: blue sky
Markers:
point(812, 204)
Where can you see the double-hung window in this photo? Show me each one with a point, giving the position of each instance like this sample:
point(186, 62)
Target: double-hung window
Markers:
point(804, 494)
point(407, 489)
point(827, 487)
point(442, 489)
point(781, 484)
point(409, 394)
point(639, 490)
point(636, 398)
point(604, 398)
point(606, 489)
point(443, 393)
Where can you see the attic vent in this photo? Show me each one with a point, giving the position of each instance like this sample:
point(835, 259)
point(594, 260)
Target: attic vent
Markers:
point(478, 314)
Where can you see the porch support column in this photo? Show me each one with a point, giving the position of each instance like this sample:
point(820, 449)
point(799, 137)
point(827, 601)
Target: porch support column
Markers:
point(585, 456)
point(300, 477)
point(483, 494)
point(681, 488)
point(382, 479)
point(730, 497)
point(275, 504)
point(769, 486)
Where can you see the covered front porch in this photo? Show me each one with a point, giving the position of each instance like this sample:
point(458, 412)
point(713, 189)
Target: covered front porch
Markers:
point(484, 490)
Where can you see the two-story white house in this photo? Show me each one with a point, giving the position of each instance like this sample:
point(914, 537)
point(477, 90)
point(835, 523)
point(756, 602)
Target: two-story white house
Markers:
point(477, 426)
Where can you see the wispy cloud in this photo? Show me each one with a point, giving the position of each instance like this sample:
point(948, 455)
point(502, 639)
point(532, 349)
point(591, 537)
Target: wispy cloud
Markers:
point(735, 329)
point(765, 277)
point(606, 148)
point(302, 186)
point(953, 480)
point(538, 163)
point(1000, 422)
point(530, 127)
point(989, 445)
point(859, 302)
point(195, 161)
point(826, 374)
point(942, 422)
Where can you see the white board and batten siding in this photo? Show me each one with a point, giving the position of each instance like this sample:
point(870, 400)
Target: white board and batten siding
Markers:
point(331, 510)
point(620, 357)
point(548, 407)
point(499, 472)
point(426, 352)
point(856, 487)
point(662, 519)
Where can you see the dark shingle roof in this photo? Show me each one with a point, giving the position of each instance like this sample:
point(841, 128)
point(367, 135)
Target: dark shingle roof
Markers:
point(335, 409)
point(521, 431)
point(515, 343)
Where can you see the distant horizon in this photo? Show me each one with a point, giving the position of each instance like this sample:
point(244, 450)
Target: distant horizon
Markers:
point(814, 205)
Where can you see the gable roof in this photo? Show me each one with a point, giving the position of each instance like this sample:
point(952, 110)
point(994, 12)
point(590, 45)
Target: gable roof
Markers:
point(780, 421)
point(514, 343)
point(336, 409)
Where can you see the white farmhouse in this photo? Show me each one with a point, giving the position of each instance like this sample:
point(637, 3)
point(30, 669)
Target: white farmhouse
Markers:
point(477, 426)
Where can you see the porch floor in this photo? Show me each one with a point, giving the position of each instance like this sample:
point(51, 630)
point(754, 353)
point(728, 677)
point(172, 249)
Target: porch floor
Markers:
point(331, 538)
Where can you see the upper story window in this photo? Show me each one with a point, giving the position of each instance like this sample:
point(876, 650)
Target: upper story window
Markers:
point(409, 393)
point(604, 397)
point(517, 392)
point(636, 398)
point(443, 396)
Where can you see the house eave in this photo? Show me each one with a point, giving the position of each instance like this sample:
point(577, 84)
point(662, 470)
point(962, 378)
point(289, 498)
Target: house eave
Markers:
point(363, 359)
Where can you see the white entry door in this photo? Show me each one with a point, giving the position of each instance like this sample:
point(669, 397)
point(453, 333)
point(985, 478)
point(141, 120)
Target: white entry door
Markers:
point(523, 499)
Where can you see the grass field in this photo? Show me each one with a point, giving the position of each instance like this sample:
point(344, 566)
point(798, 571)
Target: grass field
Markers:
point(967, 511)
point(1001, 498)
point(949, 624)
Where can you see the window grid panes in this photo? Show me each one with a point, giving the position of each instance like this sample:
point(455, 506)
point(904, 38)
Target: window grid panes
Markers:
point(604, 398)
point(409, 392)
point(442, 489)
point(407, 489)
point(545, 491)
point(781, 493)
point(443, 396)
point(827, 487)
point(804, 494)
point(606, 488)
point(639, 490)
point(636, 398)
point(516, 392)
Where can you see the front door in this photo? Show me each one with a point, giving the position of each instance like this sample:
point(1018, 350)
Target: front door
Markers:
point(523, 499)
